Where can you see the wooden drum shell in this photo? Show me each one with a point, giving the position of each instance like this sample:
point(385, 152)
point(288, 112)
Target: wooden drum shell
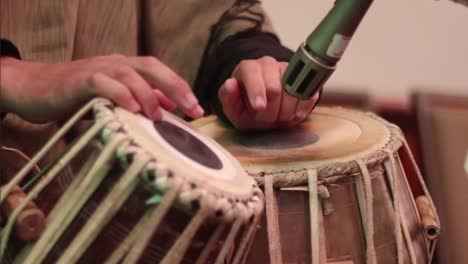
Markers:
point(204, 221)
point(346, 139)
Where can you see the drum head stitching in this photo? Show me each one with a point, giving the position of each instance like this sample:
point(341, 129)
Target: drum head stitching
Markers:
point(331, 168)
point(212, 196)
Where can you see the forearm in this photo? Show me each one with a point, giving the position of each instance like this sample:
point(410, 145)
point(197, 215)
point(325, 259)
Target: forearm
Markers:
point(7, 72)
point(13, 79)
point(9, 58)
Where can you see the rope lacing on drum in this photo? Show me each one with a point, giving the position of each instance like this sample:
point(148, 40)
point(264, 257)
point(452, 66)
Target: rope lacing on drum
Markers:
point(140, 166)
point(53, 171)
point(365, 201)
point(110, 205)
point(433, 242)
point(73, 200)
point(272, 222)
point(317, 192)
point(397, 214)
point(315, 214)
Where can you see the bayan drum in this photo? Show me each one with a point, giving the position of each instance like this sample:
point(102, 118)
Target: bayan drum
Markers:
point(143, 192)
point(335, 191)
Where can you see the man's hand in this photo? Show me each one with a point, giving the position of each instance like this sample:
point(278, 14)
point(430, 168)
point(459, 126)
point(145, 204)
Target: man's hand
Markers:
point(41, 92)
point(253, 98)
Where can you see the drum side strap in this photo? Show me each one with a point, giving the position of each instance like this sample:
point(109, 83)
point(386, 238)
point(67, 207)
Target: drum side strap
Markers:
point(433, 242)
point(58, 136)
point(177, 251)
point(396, 206)
point(314, 215)
point(272, 222)
point(146, 231)
point(420, 178)
point(76, 195)
point(202, 259)
point(249, 231)
point(105, 212)
point(131, 238)
point(365, 200)
point(404, 224)
point(26, 250)
point(45, 181)
point(229, 243)
point(245, 248)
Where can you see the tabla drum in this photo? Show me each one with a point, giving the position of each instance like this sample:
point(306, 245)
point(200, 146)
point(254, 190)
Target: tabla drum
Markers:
point(143, 191)
point(335, 191)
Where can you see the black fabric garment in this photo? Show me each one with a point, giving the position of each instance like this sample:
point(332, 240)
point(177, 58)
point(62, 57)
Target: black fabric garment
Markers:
point(219, 64)
point(8, 49)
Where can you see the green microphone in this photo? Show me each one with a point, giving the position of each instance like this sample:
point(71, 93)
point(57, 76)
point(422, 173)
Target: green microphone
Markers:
point(316, 59)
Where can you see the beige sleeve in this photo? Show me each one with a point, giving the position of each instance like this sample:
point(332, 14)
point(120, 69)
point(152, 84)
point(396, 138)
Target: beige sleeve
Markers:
point(178, 31)
point(41, 32)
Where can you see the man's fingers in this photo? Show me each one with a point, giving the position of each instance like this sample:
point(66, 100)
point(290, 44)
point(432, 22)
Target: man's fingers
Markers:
point(231, 100)
point(305, 106)
point(172, 85)
point(165, 101)
point(288, 108)
point(141, 90)
point(249, 74)
point(271, 77)
point(103, 85)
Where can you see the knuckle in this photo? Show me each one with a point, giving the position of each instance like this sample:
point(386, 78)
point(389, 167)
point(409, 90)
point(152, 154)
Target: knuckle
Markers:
point(121, 95)
point(247, 64)
point(268, 59)
point(273, 89)
point(116, 56)
point(125, 72)
point(149, 61)
point(179, 84)
point(93, 80)
point(222, 92)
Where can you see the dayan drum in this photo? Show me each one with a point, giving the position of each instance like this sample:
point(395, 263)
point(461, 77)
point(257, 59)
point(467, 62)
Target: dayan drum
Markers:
point(143, 192)
point(335, 191)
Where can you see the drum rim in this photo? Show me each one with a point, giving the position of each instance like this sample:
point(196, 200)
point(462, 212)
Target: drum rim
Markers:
point(341, 166)
point(210, 196)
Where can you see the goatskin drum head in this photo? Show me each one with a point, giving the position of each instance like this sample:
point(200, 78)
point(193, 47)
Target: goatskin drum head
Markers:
point(328, 135)
point(188, 153)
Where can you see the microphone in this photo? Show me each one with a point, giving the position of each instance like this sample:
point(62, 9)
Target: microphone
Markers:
point(315, 60)
point(463, 2)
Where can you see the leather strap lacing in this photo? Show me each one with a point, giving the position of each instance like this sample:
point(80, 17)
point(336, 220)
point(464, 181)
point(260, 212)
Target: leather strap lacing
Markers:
point(314, 215)
point(365, 200)
point(396, 206)
point(272, 222)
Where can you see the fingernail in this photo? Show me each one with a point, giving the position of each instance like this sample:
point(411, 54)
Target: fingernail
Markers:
point(134, 106)
point(259, 102)
point(228, 84)
point(301, 114)
point(198, 111)
point(157, 115)
point(190, 100)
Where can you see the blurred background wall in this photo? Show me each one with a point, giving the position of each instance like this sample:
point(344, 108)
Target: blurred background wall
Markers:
point(408, 62)
point(400, 45)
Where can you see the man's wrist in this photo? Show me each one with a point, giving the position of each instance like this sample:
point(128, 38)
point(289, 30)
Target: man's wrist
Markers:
point(8, 79)
point(9, 54)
